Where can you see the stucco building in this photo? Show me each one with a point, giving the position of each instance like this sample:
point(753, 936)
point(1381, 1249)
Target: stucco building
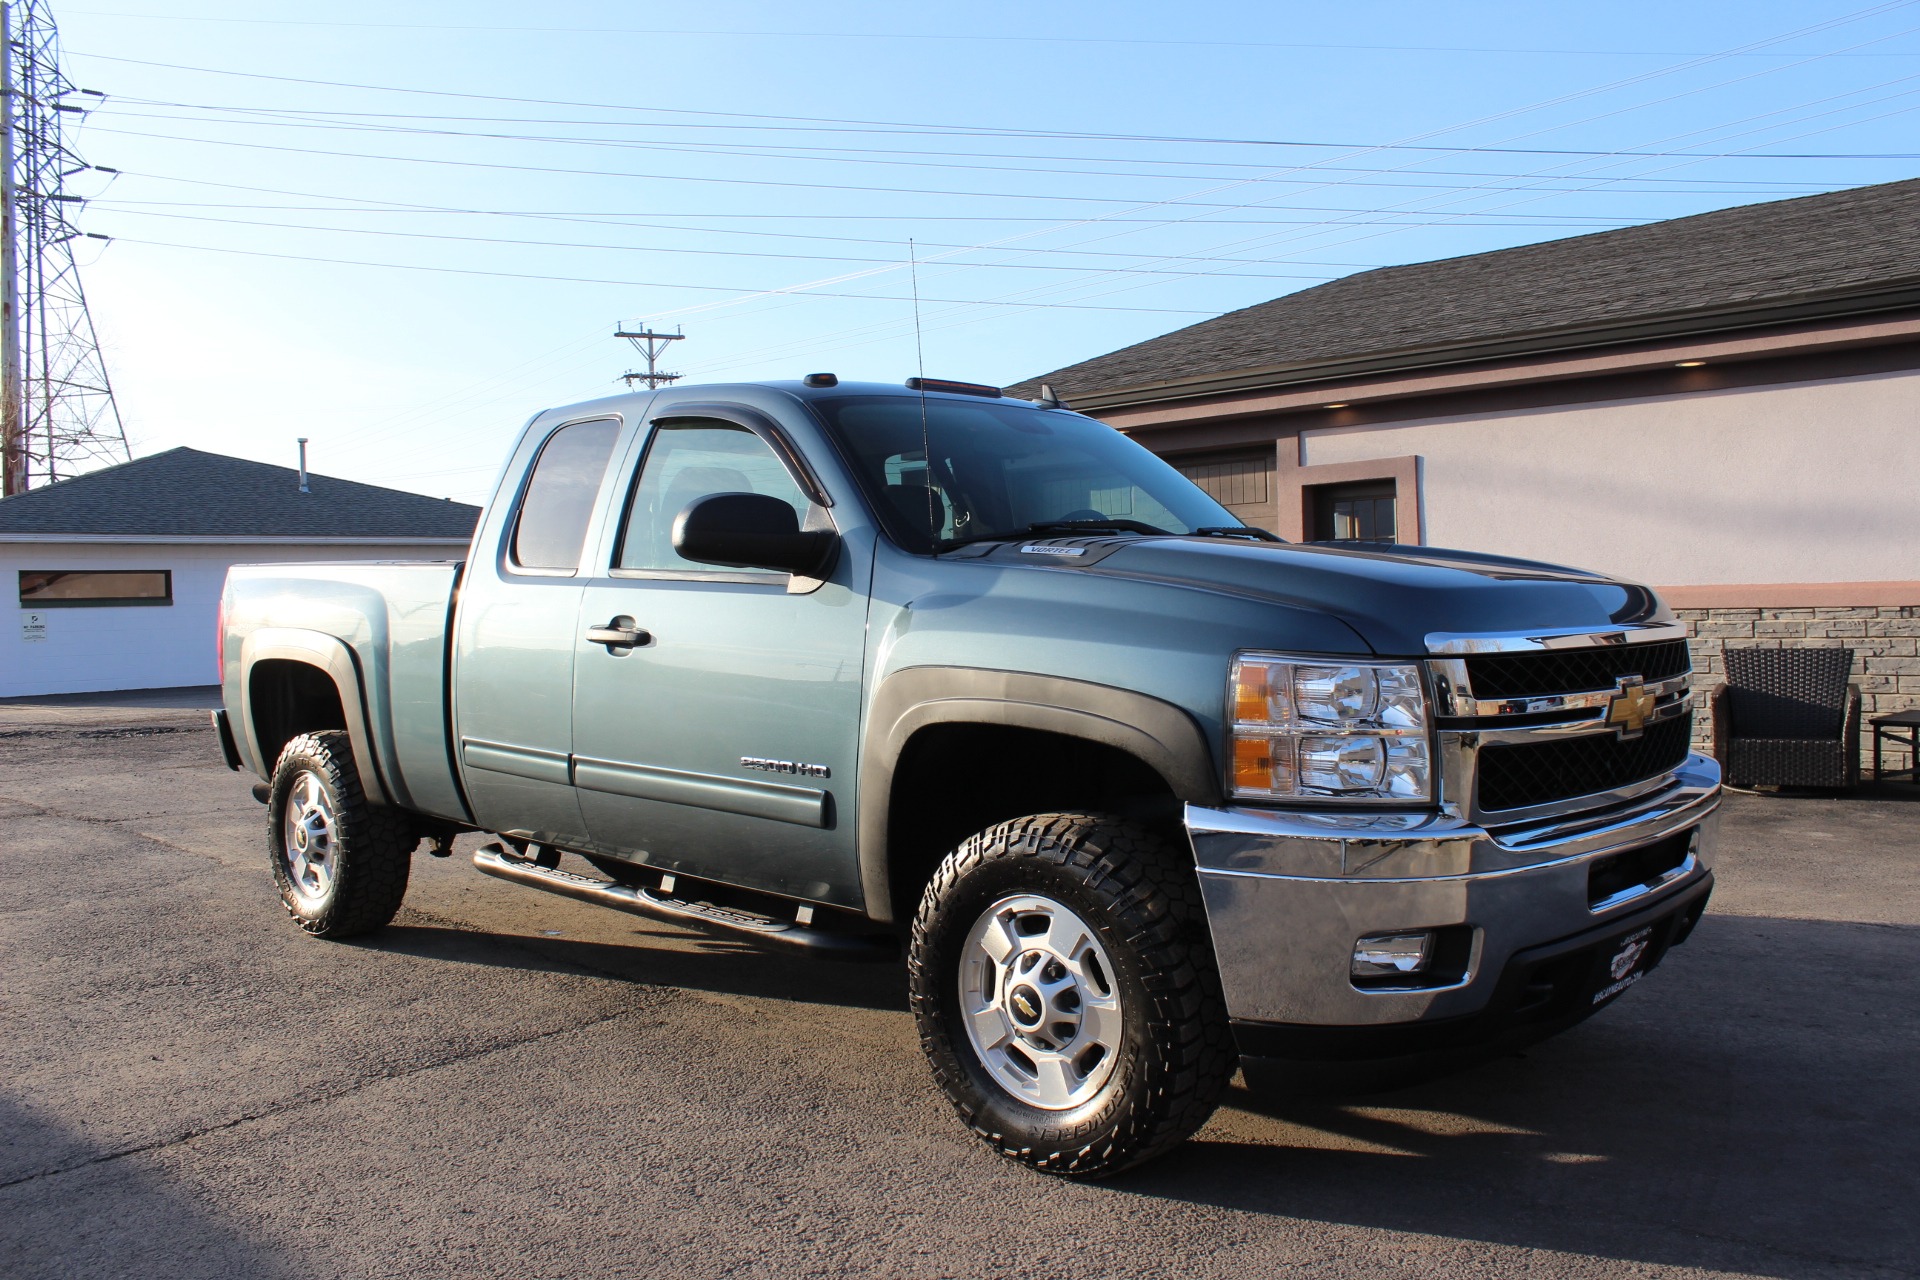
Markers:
point(1726, 406)
point(118, 572)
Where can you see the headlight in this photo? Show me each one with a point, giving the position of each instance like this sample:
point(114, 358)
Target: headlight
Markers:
point(1350, 730)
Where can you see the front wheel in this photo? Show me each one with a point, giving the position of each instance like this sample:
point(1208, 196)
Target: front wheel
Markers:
point(1065, 990)
point(340, 862)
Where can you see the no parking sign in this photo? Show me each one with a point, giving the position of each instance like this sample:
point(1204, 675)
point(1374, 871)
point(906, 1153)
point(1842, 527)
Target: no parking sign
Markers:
point(33, 626)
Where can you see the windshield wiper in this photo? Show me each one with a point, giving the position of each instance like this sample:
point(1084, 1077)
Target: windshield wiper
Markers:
point(1053, 526)
point(1246, 531)
point(1092, 526)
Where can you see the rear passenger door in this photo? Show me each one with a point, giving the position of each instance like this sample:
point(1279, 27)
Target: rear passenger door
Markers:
point(724, 744)
point(516, 635)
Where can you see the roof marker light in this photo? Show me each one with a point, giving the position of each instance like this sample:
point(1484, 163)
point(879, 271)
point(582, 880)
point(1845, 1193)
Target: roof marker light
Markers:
point(955, 388)
point(821, 380)
point(1688, 364)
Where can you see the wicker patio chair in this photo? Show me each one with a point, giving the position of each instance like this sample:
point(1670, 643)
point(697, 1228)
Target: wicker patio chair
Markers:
point(1788, 717)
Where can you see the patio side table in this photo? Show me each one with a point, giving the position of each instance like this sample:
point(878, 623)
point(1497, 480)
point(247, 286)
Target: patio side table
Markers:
point(1889, 727)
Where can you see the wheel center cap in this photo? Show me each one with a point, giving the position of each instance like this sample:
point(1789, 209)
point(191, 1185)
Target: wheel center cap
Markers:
point(1027, 1008)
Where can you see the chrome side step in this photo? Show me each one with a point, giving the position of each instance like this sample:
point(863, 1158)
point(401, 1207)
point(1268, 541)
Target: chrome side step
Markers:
point(826, 944)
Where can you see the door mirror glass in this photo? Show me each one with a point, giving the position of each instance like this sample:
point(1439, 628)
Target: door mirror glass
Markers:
point(749, 531)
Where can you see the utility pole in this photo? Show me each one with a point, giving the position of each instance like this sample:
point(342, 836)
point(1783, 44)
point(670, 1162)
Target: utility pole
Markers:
point(652, 345)
point(13, 448)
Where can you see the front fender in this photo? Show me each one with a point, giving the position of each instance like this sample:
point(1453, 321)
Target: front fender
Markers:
point(1159, 734)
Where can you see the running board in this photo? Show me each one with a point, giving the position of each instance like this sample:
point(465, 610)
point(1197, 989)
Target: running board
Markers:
point(826, 944)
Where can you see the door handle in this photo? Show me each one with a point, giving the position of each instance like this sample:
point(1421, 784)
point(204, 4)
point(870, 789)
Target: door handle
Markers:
point(620, 633)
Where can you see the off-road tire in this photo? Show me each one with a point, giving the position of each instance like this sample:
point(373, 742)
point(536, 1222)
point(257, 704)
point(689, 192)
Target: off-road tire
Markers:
point(1141, 896)
point(371, 846)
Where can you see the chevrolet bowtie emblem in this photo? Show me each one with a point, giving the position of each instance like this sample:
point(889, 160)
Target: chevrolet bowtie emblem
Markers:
point(1630, 707)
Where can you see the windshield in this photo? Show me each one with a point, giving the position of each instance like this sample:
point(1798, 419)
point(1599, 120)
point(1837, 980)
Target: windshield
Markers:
point(1003, 470)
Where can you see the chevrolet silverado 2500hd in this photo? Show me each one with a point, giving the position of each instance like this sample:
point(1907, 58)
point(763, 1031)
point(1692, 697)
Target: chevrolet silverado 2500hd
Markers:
point(1144, 792)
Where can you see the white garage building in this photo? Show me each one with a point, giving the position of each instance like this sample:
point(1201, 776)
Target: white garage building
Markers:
point(117, 573)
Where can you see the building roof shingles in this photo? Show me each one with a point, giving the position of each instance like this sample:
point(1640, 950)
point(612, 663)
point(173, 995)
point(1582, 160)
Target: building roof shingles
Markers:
point(1780, 250)
point(190, 494)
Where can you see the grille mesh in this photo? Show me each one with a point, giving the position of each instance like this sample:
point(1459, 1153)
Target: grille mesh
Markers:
point(1535, 675)
point(1514, 776)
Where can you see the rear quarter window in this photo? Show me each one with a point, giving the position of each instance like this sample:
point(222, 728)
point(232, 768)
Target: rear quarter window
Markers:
point(551, 527)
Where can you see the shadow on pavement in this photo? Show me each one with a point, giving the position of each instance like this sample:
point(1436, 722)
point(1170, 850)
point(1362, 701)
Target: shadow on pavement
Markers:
point(717, 965)
point(125, 1217)
point(1758, 1089)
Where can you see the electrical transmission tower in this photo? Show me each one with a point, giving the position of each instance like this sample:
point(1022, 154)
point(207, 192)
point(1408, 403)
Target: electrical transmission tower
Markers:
point(651, 345)
point(59, 417)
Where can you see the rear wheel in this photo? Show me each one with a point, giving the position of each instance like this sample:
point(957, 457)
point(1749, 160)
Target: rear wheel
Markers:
point(340, 862)
point(1065, 990)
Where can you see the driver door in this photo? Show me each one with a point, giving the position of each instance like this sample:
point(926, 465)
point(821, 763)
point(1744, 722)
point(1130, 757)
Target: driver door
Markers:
point(723, 744)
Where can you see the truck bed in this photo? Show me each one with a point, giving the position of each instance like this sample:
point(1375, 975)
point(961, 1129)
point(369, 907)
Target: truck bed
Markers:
point(394, 617)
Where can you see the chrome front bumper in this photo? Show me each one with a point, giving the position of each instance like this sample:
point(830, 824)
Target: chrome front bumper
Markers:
point(1288, 893)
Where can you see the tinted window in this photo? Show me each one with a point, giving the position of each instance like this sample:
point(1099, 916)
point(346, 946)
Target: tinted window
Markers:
point(52, 588)
point(997, 468)
point(685, 464)
point(559, 502)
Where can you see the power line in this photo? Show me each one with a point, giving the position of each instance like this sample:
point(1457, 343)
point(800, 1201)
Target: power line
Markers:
point(747, 182)
point(832, 124)
point(1080, 286)
point(723, 253)
point(335, 114)
point(881, 157)
point(967, 37)
point(625, 284)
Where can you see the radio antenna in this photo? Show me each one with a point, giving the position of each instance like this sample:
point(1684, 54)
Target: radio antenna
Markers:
point(920, 359)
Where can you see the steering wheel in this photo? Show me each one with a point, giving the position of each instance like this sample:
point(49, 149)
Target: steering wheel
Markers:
point(1085, 513)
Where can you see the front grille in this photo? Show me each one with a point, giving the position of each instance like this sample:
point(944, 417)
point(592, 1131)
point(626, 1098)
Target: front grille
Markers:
point(1518, 775)
point(1536, 675)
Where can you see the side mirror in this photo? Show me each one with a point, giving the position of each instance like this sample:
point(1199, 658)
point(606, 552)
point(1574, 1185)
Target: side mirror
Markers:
point(750, 531)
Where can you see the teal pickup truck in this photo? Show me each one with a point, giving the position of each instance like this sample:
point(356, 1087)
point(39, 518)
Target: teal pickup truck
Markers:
point(1141, 793)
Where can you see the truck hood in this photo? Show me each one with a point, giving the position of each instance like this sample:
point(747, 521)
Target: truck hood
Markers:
point(1394, 597)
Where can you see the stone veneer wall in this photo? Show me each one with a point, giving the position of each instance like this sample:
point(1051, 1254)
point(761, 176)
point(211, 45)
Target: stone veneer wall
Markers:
point(1886, 657)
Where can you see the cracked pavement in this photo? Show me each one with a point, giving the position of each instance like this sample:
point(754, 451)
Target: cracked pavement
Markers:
point(509, 1084)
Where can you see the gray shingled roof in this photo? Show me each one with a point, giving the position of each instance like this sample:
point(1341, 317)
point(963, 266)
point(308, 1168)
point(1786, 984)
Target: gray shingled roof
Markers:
point(1839, 242)
point(187, 493)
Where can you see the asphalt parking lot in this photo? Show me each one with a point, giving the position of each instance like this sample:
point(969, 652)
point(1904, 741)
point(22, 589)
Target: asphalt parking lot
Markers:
point(508, 1084)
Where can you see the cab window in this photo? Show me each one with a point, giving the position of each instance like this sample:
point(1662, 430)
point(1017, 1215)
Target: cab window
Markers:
point(688, 462)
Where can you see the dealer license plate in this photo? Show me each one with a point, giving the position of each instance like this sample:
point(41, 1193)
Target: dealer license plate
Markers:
point(1626, 965)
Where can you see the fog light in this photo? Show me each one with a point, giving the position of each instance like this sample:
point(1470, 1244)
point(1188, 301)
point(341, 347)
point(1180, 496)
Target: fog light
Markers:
point(1387, 954)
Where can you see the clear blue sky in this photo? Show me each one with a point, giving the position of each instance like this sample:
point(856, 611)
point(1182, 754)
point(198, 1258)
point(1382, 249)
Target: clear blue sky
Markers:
point(1076, 177)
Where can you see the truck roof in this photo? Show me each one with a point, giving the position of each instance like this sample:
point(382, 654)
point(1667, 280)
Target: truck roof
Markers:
point(795, 387)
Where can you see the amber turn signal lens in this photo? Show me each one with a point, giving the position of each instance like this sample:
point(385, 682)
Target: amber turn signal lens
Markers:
point(1253, 764)
point(1250, 689)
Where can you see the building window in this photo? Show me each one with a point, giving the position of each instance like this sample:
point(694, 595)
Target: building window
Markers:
point(81, 588)
point(1363, 512)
